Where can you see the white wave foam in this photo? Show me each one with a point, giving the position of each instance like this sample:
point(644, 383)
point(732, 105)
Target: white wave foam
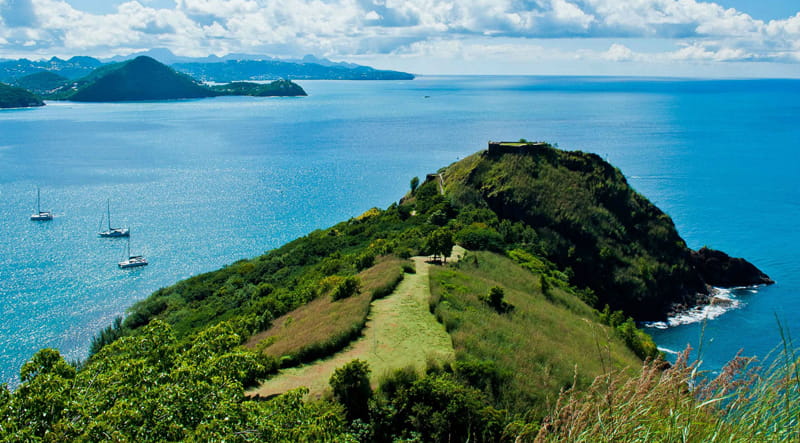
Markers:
point(722, 301)
point(668, 351)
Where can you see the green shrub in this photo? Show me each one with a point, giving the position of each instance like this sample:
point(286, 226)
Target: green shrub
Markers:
point(350, 385)
point(348, 287)
point(475, 238)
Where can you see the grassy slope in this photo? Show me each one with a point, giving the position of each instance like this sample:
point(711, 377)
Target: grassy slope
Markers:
point(538, 348)
point(323, 325)
point(400, 332)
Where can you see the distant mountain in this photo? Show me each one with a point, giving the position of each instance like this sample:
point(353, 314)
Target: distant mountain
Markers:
point(75, 67)
point(234, 70)
point(12, 97)
point(42, 83)
point(142, 78)
point(228, 68)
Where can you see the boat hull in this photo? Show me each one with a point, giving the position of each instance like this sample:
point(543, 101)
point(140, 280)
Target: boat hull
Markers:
point(132, 262)
point(115, 232)
point(42, 216)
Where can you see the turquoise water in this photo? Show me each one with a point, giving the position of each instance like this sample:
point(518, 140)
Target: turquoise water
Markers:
point(202, 183)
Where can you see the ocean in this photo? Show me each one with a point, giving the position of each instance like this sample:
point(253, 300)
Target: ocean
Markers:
point(203, 183)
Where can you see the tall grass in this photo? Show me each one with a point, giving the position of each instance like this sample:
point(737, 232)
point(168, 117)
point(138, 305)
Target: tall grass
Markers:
point(745, 402)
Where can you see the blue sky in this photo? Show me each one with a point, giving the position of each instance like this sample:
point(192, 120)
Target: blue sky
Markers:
point(726, 38)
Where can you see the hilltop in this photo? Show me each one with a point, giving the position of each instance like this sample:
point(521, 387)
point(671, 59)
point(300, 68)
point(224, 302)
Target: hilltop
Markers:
point(517, 322)
point(12, 97)
point(587, 220)
point(142, 78)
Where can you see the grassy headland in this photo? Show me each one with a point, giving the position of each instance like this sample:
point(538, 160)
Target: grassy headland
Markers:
point(525, 313)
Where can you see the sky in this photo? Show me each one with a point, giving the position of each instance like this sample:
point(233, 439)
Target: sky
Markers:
point(686, 38)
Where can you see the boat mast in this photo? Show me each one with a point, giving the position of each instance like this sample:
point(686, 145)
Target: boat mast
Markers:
point(108, 204)
point(38, 201)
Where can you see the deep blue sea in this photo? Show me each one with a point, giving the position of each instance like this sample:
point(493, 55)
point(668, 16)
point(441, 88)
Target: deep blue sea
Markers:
point(202, 183)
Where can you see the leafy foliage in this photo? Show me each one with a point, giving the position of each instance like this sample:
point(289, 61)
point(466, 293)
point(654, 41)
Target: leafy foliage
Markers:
point(347, 288)
point(350, 385)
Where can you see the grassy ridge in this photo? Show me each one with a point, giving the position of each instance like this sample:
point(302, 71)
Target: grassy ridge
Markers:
point(324, 326)
point(546, 343)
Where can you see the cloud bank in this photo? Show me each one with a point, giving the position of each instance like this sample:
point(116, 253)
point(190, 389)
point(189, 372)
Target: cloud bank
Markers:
point(340, 29)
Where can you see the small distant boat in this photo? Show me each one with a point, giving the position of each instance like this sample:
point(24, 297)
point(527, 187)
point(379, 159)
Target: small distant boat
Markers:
point(40, 215)
point(112, 232)
point(133, 261)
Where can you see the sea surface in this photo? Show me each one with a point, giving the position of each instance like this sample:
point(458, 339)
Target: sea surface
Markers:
point(203, 183)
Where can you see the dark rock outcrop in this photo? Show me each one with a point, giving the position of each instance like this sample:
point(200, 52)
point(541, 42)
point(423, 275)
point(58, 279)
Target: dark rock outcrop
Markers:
point(719, 269)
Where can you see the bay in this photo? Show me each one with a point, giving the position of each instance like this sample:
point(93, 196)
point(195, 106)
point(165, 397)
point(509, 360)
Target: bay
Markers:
point(203, 183)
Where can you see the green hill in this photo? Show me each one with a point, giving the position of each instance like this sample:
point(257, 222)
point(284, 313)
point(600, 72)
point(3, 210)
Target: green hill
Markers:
point(517, 309)
point(42, 83)
point(139, 79)
point(12, 97)
point(593, 225)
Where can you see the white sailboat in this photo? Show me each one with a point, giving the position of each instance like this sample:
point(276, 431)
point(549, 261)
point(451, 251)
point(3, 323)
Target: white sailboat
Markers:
point(40, 215)
point(133, 261)
point(112, 232)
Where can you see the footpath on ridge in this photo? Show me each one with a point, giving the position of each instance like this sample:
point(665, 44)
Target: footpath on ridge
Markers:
point(400, 332)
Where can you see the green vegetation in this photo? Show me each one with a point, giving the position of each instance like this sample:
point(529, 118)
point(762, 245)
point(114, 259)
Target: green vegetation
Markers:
point(515, 350)
point(350, 385)
point(11, 97)
point(277, 88)
point(401, 332)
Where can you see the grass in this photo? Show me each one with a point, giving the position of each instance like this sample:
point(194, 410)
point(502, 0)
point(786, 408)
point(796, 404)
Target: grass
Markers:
point(323, 326)
point(743, 403)
point(400, 332)
point(543, 345)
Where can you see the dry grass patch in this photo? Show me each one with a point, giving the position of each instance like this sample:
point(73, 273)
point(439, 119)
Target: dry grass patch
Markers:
point(324, 326)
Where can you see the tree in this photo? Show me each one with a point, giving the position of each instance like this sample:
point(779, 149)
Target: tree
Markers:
point(496, 299)
point(439, 242)
point(414, 184)
point(350, 385)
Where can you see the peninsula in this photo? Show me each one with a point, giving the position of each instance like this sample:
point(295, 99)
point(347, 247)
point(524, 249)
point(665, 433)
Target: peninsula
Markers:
point(495, 301)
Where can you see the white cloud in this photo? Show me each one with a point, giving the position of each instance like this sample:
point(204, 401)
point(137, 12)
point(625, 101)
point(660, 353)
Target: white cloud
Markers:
point(701, 31)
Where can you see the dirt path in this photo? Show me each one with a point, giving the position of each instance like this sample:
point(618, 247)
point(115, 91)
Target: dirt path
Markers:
point(400, 331)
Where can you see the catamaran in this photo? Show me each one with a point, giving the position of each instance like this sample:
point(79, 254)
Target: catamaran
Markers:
point(40, 215)
point(133, 261)
point(112, 232)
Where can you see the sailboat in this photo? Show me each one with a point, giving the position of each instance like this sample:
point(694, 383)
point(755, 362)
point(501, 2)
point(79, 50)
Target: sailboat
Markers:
point(40, 215)
point(133, 261)
point(112, 232)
